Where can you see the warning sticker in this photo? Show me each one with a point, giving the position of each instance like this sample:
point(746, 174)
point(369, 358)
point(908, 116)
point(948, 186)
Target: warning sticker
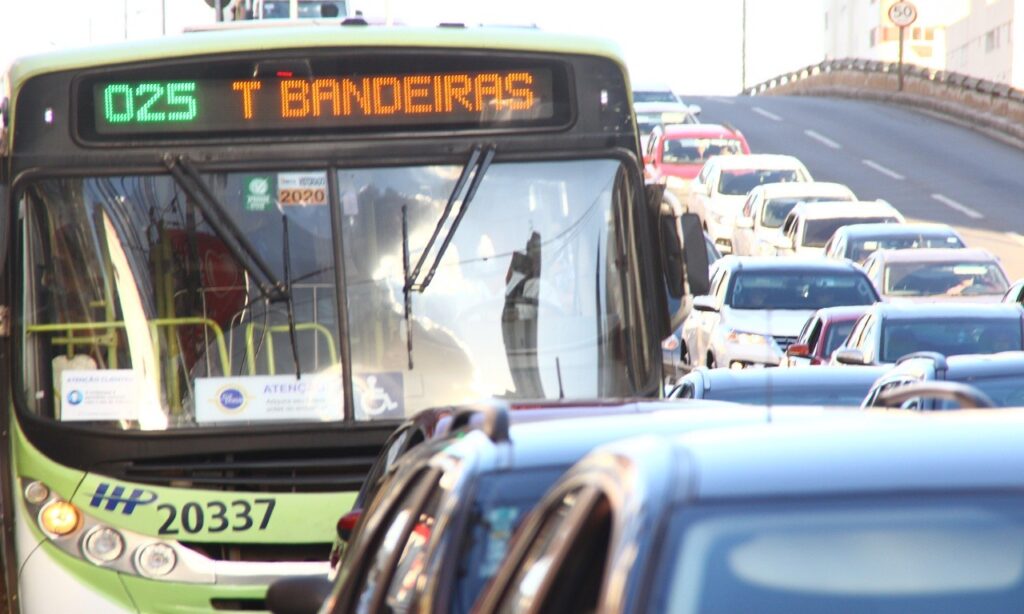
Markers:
point(301, 189)
point(109, 394)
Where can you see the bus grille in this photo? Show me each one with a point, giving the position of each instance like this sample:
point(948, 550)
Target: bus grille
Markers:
point(291, 471)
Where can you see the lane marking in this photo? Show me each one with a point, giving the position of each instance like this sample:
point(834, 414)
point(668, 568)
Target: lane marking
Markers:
point(768, 114)
point(952, 204)
point(824, 140)
point(722, 100)
point(888, 172)
point(1016, 237)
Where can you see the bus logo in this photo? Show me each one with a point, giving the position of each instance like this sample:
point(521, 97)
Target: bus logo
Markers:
point(138, 496)
point(75, 397)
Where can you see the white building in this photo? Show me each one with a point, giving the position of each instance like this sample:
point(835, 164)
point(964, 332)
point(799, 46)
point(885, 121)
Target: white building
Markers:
point(862, 29)
point(981, 44)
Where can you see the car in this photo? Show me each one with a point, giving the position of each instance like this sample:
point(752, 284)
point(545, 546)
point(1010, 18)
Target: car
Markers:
point(888, 331)
point(883, 512)
point(768, 205)
point(720, 189)
point(938, 274)
point(999, 376)
point(757, 307)
point(659, 92)
point(809, 226)
point(651, 114)
point(437, 534)
point(827, 386)
point(858, 241)
point(675, 154)
point(824, 331)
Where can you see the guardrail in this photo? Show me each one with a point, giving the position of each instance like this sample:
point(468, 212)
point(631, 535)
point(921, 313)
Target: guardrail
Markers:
point(994, 107)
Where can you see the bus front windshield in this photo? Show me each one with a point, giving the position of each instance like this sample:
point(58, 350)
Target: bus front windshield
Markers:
point(138, 313)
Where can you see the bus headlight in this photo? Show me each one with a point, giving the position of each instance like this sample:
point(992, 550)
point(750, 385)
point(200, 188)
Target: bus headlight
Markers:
point(103, 544)
point(36, 493)
point(59, 518)
point(156, 560)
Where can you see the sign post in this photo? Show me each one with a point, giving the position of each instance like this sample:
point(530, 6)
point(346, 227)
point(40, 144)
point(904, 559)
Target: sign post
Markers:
point(902, 14)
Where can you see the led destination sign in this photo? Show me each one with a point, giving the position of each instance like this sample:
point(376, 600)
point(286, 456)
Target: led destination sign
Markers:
point(494, 98)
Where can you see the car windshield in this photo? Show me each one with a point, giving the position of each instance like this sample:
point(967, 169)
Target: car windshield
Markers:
point(818, 232)
point(691, 151)
point(776, 209)
point(740, 181)
point(137, 314)
point(851, 555)
point(836, 335)
point(950, 336)
point(811, 392)
point(859, 249)
point(798, 290)
point(943, 278)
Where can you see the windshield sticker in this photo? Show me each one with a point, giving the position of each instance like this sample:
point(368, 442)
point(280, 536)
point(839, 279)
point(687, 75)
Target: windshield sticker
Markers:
point(259, 190)
point(301, 189)
point(108, 394)
point(500, 523)
point(379, 396)
point(269, 398)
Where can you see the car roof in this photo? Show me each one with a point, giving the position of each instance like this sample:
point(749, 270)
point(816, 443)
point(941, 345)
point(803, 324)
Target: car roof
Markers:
point(966, 366)
point(803, 188)
point(935, 254)
point(895, 230)
point(841, 313)
point(757, 161)
point(700, 131)
point(660, 107)
point(880, 453)
point(848, 209)
point(792, 377)
point(914, 311)
point(790, 263)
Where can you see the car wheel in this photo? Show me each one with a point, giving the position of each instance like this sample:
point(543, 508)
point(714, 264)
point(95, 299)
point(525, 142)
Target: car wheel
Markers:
point(711, 361)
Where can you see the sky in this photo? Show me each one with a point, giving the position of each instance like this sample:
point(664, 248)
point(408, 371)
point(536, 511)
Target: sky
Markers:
point(694, 46)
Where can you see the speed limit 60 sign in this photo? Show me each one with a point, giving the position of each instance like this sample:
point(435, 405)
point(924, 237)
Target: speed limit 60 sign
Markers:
point(903, 13)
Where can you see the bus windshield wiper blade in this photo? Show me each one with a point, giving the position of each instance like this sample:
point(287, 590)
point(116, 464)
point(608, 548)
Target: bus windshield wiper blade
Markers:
point(479, 165)
point(186, 175)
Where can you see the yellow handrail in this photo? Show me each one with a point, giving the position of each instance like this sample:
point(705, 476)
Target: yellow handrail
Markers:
point(250, 349)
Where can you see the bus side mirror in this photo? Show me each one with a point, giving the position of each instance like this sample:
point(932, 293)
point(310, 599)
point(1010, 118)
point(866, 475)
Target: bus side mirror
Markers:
point(695, 255)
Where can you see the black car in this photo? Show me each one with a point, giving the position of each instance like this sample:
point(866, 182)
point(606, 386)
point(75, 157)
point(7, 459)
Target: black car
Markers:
point(878, 512)
point(432, 539)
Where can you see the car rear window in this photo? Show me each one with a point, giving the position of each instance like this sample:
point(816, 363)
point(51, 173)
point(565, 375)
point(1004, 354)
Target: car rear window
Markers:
point(864, 555)
point(691, 151)
point(738, 182)
point(818, 232)
point(776, 209)
point(943, 278)
point(950, 336)
point(859, 249)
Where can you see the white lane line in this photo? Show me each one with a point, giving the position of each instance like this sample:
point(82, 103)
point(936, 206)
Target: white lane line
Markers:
point(768, 114)
point(722, 100)
point(888, 172)
point(1016, 237)
point(824, 140)
point(952, 204)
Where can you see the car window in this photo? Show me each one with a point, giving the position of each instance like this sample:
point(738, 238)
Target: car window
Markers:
point(943, 278)
point(814, 333)
point(817, 232)
point(411, 562)
point(835, 336)
point(576, 587)
point(857, 333)
point(748, 206)
point(741, 181)
point(723, 283)
point(541, 552)
point(950, 336)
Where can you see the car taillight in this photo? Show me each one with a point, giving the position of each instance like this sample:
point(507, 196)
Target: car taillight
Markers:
point(346, 523)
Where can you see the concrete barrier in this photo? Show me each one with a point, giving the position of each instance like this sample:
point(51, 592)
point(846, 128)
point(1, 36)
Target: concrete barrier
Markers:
point(994, 108)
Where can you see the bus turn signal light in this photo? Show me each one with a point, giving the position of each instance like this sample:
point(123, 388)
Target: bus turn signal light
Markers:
point(59, 518)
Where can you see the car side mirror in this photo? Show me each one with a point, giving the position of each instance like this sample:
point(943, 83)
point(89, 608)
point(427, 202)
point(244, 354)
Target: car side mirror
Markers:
point(744, 222)
point(800, 350)
point(850, 356)
point(299, 594)
point(705, 303)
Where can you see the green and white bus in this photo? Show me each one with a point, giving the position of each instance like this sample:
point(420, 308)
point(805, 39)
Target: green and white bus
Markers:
point(232, 261)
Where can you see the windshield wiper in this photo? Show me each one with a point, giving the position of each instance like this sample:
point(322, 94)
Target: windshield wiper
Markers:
point(479, 161)
point(186, 176)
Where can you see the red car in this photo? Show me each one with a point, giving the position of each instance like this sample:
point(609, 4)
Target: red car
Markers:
point(676, 153)
point(821, 335)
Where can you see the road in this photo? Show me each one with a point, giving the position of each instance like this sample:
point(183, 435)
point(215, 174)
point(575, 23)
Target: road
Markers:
point(927, 168)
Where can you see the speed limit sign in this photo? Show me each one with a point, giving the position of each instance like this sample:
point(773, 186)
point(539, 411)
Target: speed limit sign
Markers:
point(903, 14)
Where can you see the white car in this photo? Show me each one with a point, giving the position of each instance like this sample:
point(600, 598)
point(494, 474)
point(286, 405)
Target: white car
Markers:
point(757, 307)
point(721, 188)
point(767, 207)
point(935, 274)
point(809, 226)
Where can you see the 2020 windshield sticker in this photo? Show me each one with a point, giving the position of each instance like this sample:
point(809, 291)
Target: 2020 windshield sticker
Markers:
point(94, 394)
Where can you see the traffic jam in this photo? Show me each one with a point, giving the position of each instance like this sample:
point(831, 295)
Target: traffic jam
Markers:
point(661, 367)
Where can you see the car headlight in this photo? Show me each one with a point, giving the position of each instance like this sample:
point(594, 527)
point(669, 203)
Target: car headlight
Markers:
point(743, 338)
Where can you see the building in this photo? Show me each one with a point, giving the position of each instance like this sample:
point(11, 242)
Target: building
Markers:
point(862, 29)
point(981, 44)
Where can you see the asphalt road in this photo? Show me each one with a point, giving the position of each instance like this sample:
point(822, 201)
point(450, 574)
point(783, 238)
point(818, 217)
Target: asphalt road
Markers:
point(927, 168)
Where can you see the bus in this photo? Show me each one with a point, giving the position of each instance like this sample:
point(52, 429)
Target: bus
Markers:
point(233, 261)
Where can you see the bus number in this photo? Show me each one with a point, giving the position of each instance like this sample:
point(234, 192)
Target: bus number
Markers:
point(125, 103)
point(192, 517)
